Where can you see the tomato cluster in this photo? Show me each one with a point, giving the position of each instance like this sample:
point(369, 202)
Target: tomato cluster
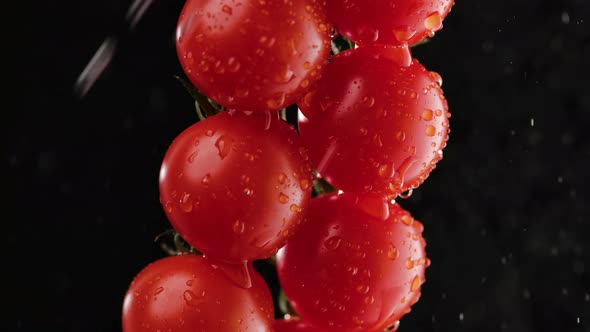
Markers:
point(237, 186)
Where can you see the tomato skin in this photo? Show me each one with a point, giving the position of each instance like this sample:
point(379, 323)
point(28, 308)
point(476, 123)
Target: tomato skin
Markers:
point(391, 22)
point(187, 294)
point(348, 270)
point(292, 325)
point(373, 123)
point(253, 55)
point(234, 185)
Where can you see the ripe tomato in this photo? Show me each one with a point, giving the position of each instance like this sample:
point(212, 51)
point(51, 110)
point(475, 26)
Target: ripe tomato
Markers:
point(357, 265)
point(234, 185)
point(376, 121)
point(293, 325)
point(187, 294)
point(251, 54)
point(388, 22)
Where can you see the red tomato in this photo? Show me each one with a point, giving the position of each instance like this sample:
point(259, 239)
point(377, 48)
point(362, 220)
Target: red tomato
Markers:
point(357, 265)
point(388, 22)
point(187, 294)
point(251, 54)
point(234, 185)
point(293, 325)
point(376, 121)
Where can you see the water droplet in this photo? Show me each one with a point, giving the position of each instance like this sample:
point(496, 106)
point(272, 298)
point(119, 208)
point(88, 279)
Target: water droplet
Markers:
point(438, 112)
point(248, 191)
point(415, 284)
point(304, 184)
point(189, 282)
point(233, 65)
point(404, 33)
point(430, 130)
point(407, 219)
point(436, 77)
point(209, 133)
point(223, 145)
point(192, 157)
point(392, 252)
point(406, 195)
point(158, 290)
point(193, 299)
point(427, 115)
point(377, 140)
point(362, 289)
point(282, 178)
point(386, 171)
point(433, 22)
point(285, 75)
point(410, 263)
point(369, 299)
point(305, 83)
point(295, 208)
point(169, 207)
point(306, 65)
point(206, 179)
point(400, 136)
point(239, 227)
point(368, 102)
point(185, 203)
point(227, 9)
point(283, 198)
point(332, 243)
point(277, 101)
point(353, 270)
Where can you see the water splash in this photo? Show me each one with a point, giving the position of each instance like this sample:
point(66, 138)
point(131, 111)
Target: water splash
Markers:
point(103, 56)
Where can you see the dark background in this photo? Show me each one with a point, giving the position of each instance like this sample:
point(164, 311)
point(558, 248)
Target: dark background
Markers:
point(505, 212)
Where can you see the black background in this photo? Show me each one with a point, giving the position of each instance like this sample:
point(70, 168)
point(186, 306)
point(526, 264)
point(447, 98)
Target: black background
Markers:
point(505, 211)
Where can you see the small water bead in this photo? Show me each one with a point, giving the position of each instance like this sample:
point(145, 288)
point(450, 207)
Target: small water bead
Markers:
point(227, 9)
point(223, 145)
point(193, 299)
point(283, 198)
point(415, 284)
point(282, 178)
point(427, 115)
point(400, 136)
point(436, 77)
point(433, 22)
point(410, 263)
point(332, 243)
point(185, 203)
point(206, 179)
point(362, 289)
point(304, 184)
point(431, 130)
point(392, 252)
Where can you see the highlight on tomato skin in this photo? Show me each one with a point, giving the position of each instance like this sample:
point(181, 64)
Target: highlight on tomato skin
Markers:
point(376, 122)
point(235, 185)
point(251, 54)
point(352, 266)
point(186, 293)
point(392, 22)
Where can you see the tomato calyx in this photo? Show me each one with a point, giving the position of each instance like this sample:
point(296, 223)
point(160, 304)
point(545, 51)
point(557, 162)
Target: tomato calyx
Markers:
point(173, 244)
point(205, 107)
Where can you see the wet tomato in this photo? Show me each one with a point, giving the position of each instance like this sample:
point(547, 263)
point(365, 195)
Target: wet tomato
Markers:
point(388, 22)
point(292, 325)
point(250, 54)
point(234, 185)
point(187, 293)
point(357, 264)
point(376, 122)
